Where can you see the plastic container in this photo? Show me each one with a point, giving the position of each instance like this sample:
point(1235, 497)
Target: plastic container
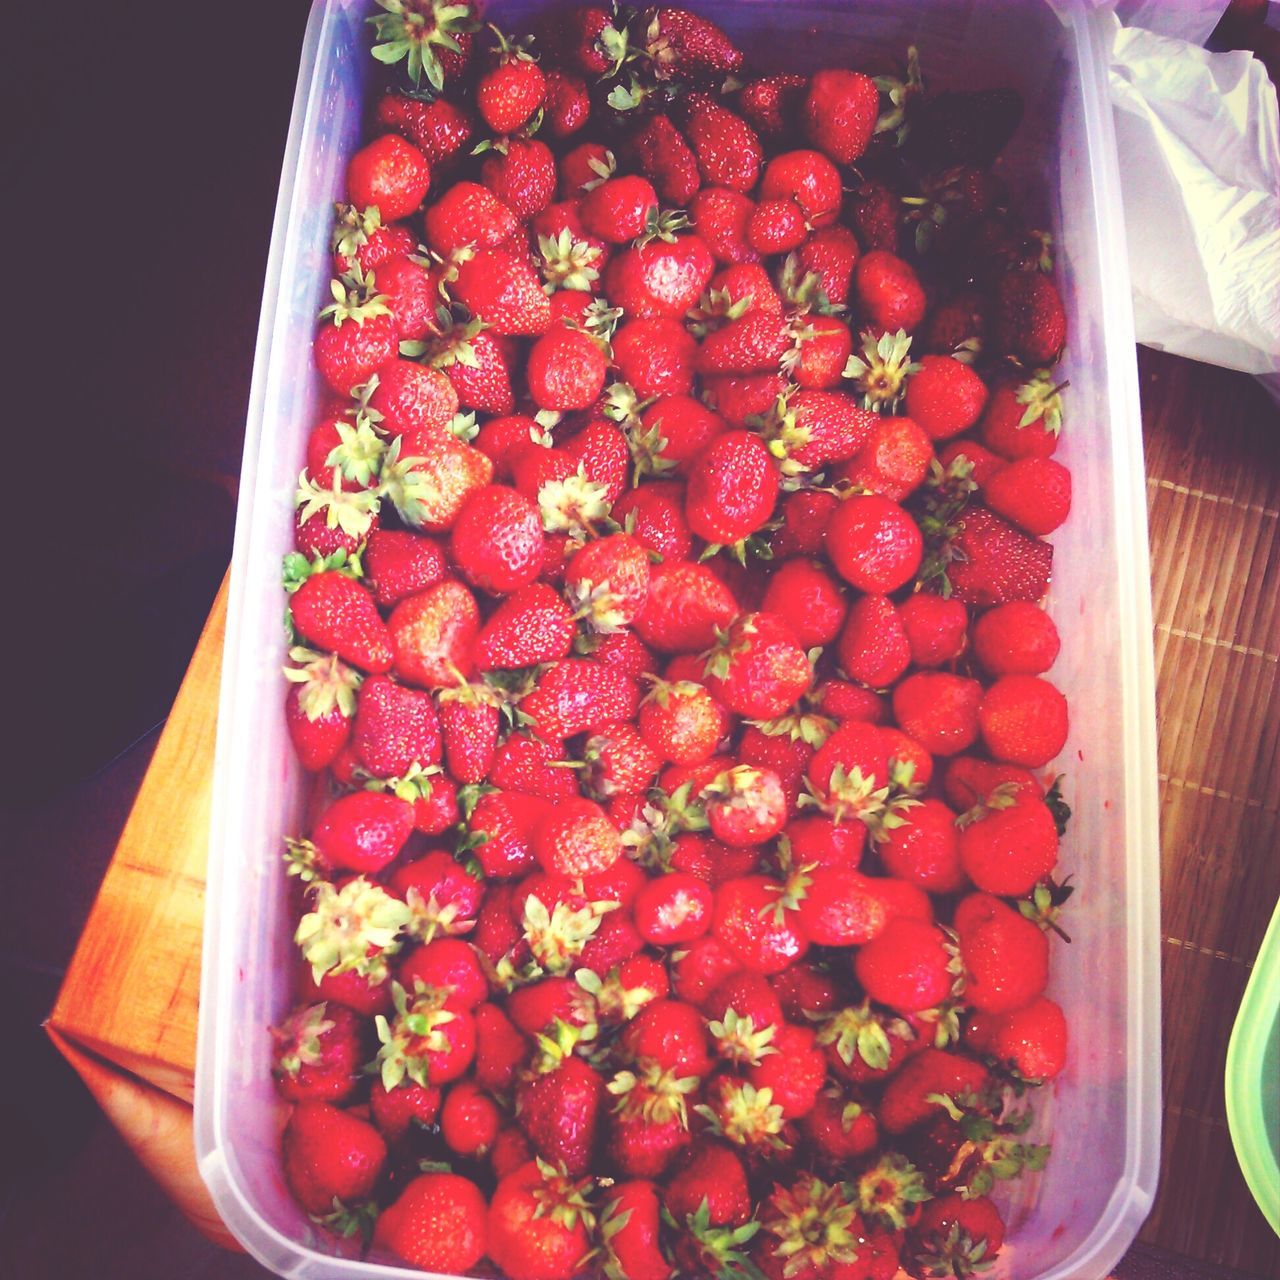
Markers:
point(1075, 1220)
point(1253, 1078)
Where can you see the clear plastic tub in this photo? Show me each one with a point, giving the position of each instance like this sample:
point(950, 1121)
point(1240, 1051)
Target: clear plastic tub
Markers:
point(1073, 1221)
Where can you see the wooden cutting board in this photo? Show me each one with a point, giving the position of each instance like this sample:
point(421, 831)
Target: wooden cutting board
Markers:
point(1213, 488)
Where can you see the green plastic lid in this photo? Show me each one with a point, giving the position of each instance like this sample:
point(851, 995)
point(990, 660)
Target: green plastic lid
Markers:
point(1253, 1078)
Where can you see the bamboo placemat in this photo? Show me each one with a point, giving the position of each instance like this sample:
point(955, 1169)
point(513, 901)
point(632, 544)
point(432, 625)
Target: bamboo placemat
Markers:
point(1213, 494)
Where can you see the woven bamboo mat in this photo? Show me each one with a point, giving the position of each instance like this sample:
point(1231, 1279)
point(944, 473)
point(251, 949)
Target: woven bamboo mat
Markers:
point(1213, 494)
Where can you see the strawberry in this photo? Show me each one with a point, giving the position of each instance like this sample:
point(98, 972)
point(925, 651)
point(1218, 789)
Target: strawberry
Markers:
point(566, 370)
point(509, 93)
point(728, 151)
point(539, 1224)
point(630, 1232)
point(822, 350)
point(432, 37)
point(758, 668)
point(776, 226)
point(840, 907)
point(873, 543)
point(649, 1124)
point(666, 159)
point(937, 629)
point(872, 211)
point(968, 781)
point(360, 334)
point(819, 842)
point(566, 106)
point(1023, 421)
point(996, 563)
point(428, 477)
point(670, 1034)
point(334, 612)
point(407, 1108)
point(673, 908)
point(585, 167)
point(478, 365)
point(771, 104)
point(389, 174)
point(793, 1073)
point(437, 1223)
point(873, 646)
point(1023, 720)
point(469, 720)
point(982, 465)
point(1028, 321)
point(399, 564)
point(434, 635)
point(531, 625)
point(1032, 493)
point(608, 582)
point(429, 1040)
point(1017, 638)
point(320, 706)
point(912, 1096)
point(945, 396)
point(655, 357)
point(939, 710)
point(663, 276)
point(712, 1175)
point(619, 209)
point(503, 291)
point(687, 45)
point(559, 1105)
point(907, 966)
point(1005, 956)
point(811, 1230)
point(825, 264)
point(654, 515)
point(411, 294)
point(1009, 841)
point(440, 129)
point(317, 1053)
point(671, 432)
point(442, 895)
point(804, 592)
point(840, 113)
point(889, 293)
point(395, 728)
point(957, 325)
point(576, 838)
point(521, 172)
point(1031, 1041)
point(525, 763)
point(330, 1156)
point(753, 921)
point(361, 240)
point(496, 541)
point(721, 216)
point(686, 604)
point(746, 806)
point(926, 849)
point(410, 398)
point(467, 214)
point(955, 1235)
point(810, 428)
point(753, 343)
point(449, 964)
point(733, 487)
point(576, 695)
point(840, 1129)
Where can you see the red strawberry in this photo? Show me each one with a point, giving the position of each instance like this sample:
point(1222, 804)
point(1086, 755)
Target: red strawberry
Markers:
point(410, 398)
point(969, 781)
point(687, 45)
point(478, 365)
point(1023, 421)
point(673, 908)
point(411, 293)
point(873, 646)
point(576, 838)
point(395, 728)
point(434, 44)
point(532, 625)
point(513, 90)
point(497, 540)
point(399, 564)
point(469, 720)
point(357, 334)
point(728, 151)
point(521, 172)
point(504, 291)
point(939, 710)
point(1023, 720)
point(840, 113)
point(889, 292)
point(754, 343)
point(439, 128)
point(666, 159)
point(361, 240)
point(997, 563)
point(733, 487)
point(434, 635)
point(317, 1053)
point(525, 763)
point(1005, 955)
point(776, 226)
point(390, 174)
point(823, 346)
point(1031, 1040)
point(746, 806)
point(335, 612)
point(406, 1108)
point(630, 1230)
point(649, 1124)
point(320, 706)
point(813, 1230)
point(794, 1073)
point(565, 370)
point(686, 604)
point(619, 209)
point(428, 477)
point(1009, 842)
point(873, 543)
point(1017, 638)
point(664, 276)
point(955, 1233)
point(539, 1224)
point(907, 966)
point(1028, 320)
point(926, 849)
point(936, 629)
point(721, 216)
point(467, 214)
point(713, 1174)
point(670, 1034)
point(437, 1223)
point(1033, 493)
point(945, 397)
point(771, 105)
point(872, 211)
point(758, 669)
point(754, 922)
point(566, 107)
point(804, 593)
point(655, 357)
point(576, 695)
point(911, 1096)
point(330, 1155)
point(559, 1105)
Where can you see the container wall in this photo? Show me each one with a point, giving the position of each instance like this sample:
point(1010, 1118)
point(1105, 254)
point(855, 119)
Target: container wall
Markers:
point(1072, 1221)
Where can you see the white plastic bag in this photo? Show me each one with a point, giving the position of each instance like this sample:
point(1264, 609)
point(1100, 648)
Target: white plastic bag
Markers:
point(1199, 145)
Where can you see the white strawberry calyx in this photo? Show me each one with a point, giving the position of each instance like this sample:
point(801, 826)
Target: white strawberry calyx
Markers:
point(652, 1094)
point(568, 263)
point(352, 228)
point(355, 298)
point(881, 370)
point(416, 783)
point(798, 726)
point(350, 510)
point(409, 489)
point(328, 684)
point(430, 917)
point(646, 445)
point(358, 455)
point(597, 606)
point(716, 307)
point(454, 345)
point(816, 1226)
point(575, 505)
point(661, 224)
point(1003, 795)
point(416, 1032)
point(297, 1038)
point(886, 1192)
point(739, 1040)
point(556, 937)
point(803, 289)
point(859, 1031)
point(354, 928)
point(563, 1199)
point(991, 1147)
point(613, 1002)
point(744, 1115)
point(412, 30)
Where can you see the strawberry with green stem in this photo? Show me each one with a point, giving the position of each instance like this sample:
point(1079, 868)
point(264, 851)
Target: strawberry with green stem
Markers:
point(360, 333)
point(320, 707)
point(413, 30)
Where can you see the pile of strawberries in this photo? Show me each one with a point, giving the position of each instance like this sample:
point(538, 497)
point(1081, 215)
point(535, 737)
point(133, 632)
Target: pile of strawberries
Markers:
point(669, 659)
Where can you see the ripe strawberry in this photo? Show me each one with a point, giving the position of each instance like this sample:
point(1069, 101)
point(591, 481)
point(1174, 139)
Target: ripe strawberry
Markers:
point(503, 291)
point(395, 728)
point(873, 543)
point(753, 343)
point(1033, 493)
point(1009, 843)
point(720, 216)
point(746, 806)
point(945, 397)
point(1028, 320)
point(411, 293)
point(469, 1120)
point(608, 581)
point(565, 370)
point(469, 720)
point(406, 1108)
point(819, 842)
point(955, 1234)
point(712, 1175)
point(1023, 421)
point(619, 209)
point(996, 563)
point(478, 365)
point(576, 838)
point(566, 106)
point(361, 240)
point(968, 781)
point(794, 1073)
point(649, 1124)
point(907, 966)
point(1005, 955)
point(1023, 720)
point(804, 592)
point(428, 477)
point(840, 113)
point(889, 292)
point(532, 625)
point(670, 1034)
point(937, 629)
point(359, 336)
point(687, 45)
point(872, 211)
point(673, 908)
point(434, 634)
point(655, 357)
point(513, 90)
point(429, 1040)
point(539, 1224)
point(559, 1105)
point(822, 350)
point(681, 721)
point(811, 1230)
point(496, 541)
point(437, 1223)
point(776, 226)
point(939, 710)
point(673, 431)
point(1031, 1040)
point(1017, 638)
point(467, 214)
point(771, 104)
point(666, 159)
point(630, 1231)
point(910, 1097)
point(440, 129)
point(728, 151)
point(752, 919)
point(686, 604)
point(320, 706)
point(443, 896)
point(390, 174)
point(334, 612)
point(955, 325)
point(926, 849)
point(578, 695)
point(399, 564)
point(758, 667)
point(330, 1155)
point(664, 276)
point(873, 646)
point(840, 1129)
point(317, 1053)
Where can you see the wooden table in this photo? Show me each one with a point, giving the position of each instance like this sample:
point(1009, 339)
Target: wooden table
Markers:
point(126, 1015)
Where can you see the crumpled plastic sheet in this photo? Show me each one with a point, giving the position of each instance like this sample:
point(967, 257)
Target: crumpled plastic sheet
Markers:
point(1198, 136)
